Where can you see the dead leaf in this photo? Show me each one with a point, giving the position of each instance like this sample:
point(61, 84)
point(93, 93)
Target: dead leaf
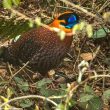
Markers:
point(51, 73)
point(3, 72)
point(87, 56)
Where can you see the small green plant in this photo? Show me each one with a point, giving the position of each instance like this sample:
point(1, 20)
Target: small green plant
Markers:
point(9, 3)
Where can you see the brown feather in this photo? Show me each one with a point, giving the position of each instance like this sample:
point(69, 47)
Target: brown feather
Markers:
point(41, 47)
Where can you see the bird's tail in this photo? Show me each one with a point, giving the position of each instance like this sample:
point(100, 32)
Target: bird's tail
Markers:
point(3, 51)
point(6, 56)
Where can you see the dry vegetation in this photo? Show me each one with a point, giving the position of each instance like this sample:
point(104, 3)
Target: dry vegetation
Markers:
point(27, 90)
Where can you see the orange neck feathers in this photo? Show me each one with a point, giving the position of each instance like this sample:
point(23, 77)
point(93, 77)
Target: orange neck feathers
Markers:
point(63, 20)
point(56, 24)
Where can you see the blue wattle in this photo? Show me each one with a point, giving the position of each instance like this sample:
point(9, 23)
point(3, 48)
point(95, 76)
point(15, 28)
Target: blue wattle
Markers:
point(70, 25)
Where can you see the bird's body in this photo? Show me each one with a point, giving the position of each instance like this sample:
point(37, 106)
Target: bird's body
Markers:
point(42, 47)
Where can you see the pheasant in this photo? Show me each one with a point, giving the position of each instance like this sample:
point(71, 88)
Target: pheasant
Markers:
point(42, 47)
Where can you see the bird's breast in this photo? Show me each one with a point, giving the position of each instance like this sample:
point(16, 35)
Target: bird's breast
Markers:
point(42, 47)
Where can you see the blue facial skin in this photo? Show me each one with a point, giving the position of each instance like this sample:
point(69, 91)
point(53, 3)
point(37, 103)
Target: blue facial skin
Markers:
point(71, 22)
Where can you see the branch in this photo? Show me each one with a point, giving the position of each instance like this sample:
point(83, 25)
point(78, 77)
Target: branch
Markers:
point(26, 97)
point(79, 8)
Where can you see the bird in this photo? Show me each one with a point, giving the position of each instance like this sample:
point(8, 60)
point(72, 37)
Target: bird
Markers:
point(42, 47)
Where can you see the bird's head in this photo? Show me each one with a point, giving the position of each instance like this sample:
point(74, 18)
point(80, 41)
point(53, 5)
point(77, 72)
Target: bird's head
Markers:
point(66, 21)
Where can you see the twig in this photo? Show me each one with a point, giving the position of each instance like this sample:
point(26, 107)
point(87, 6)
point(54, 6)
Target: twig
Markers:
point(9, 67)
point(27, 18)
point(57, 97)
point(107, 3)
point(79, 8)
point(19, 70)
point(98, 76)
point(26, 97)
point(95, 54)
point(20, 14)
